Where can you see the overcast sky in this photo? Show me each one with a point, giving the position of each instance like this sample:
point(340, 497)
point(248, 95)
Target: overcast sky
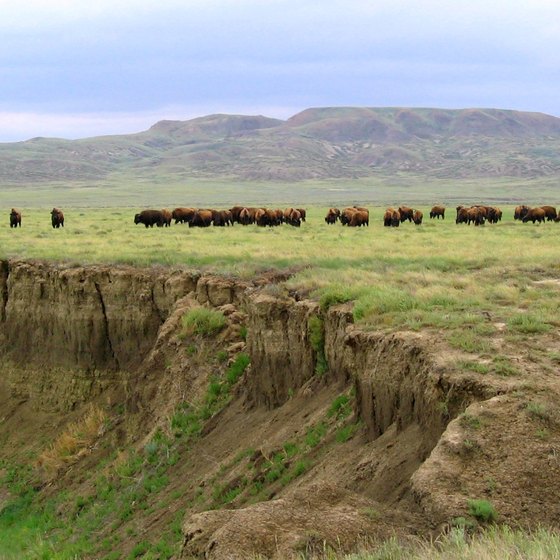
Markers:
point(74, 68)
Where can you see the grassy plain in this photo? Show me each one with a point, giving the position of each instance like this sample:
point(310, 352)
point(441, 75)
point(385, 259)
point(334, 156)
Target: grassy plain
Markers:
point(468, 281)
point(436, 274)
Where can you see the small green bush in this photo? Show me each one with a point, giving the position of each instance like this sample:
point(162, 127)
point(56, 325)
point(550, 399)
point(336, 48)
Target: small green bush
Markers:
point(202, 321)
point(340, 407)
point(482, 510)
point(315, 328)
point(528, 324)
point(237, 368)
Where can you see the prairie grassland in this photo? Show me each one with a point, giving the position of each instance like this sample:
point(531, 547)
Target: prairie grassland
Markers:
point(467, 280)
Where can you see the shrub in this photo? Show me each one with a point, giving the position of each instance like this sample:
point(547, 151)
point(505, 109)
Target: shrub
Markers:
point(315, 328)
point(340, 407)
point(202, 321)
point(237, 368)
point(482, 510)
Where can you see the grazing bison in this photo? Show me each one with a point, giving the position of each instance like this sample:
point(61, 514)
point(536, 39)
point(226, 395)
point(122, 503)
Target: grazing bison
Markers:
point(302, 213)
point(494, 214)
point(391, 218)
point(346, 215)
point(406, 213)
point(417, 217)
point(149, 218)
point(222, 217)
point(462, 215)
point(476, 215)
point(550, 213)
point(235, 211)
point(292, 216)
point(333, 214)
point(15, 218)
point(359, 218)
point(57, 218)
point(182, 215)
point(244, 217)
point(201, 218)
point(166, 216)
point(437, 211)
point(520, 212)
point(534, 215)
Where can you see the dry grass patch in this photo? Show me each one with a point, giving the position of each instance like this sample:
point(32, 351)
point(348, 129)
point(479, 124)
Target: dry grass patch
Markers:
point(74, 442)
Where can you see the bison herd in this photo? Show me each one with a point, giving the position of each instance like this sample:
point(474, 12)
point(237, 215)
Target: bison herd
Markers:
point(354, 216)
point(243, 215)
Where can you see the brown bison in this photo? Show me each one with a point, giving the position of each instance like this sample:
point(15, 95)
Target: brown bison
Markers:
point(222, 218)
point(494, 214)
point(417, 217)
point(15, 218)
point(166, 217)
point(57, 218)
point(292, 216)
point(244, 217)
point(534, 215)
point(406, 213)
point(476, 215)
point(201, 218)
point(302, 213)
point(359, 218)
point(391, 218)
point(437, 211)
point(346, 215)
point(520, 212)
point(462, 216)
point(149, 218)
point(333, 214)
point(182, 215)
point(550, 213)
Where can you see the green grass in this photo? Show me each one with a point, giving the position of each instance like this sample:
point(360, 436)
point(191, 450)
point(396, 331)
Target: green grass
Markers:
point(202, 321)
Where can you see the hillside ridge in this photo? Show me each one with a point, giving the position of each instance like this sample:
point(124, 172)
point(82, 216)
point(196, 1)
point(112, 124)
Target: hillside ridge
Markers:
point(316, 143)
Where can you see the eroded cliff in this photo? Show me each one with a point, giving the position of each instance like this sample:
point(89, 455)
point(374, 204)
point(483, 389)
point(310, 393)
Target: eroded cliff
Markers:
point(353, 422)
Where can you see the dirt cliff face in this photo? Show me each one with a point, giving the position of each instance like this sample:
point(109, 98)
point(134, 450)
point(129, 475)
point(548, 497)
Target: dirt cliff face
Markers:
point(416, 438)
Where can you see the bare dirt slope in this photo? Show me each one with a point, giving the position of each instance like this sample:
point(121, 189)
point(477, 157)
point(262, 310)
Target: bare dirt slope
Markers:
point(289, 456)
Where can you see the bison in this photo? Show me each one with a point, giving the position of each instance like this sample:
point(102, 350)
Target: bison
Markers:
point(406, 213)
point(534, 215)
point(520, 212)
point(462, 215)
point(57, 218)
point(391, 218)
point(182, 215)
point(292, 216)
point(550, 213)
point(201, 218)
point(15, 218)
point(166, 216)
point(437, 211)
point(149, 218)
point(346, 215)
point(333, 214)
point(359, 218)
point(244, 217)
point(417, 217)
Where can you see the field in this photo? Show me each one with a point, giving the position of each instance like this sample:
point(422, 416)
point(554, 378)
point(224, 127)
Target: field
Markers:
point(472, 283)
point(489, 295)
point(411, 270)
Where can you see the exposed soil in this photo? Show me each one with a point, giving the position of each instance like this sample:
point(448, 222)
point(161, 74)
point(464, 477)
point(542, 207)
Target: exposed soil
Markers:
point(415, 438)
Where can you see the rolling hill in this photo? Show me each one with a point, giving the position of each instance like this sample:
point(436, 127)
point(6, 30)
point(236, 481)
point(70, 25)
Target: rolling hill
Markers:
point(320, 143)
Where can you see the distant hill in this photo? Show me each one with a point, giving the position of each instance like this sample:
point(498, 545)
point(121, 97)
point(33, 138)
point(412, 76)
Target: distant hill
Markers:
point(321, 143)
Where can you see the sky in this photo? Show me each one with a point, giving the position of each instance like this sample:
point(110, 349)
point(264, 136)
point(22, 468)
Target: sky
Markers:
point(75, 69)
